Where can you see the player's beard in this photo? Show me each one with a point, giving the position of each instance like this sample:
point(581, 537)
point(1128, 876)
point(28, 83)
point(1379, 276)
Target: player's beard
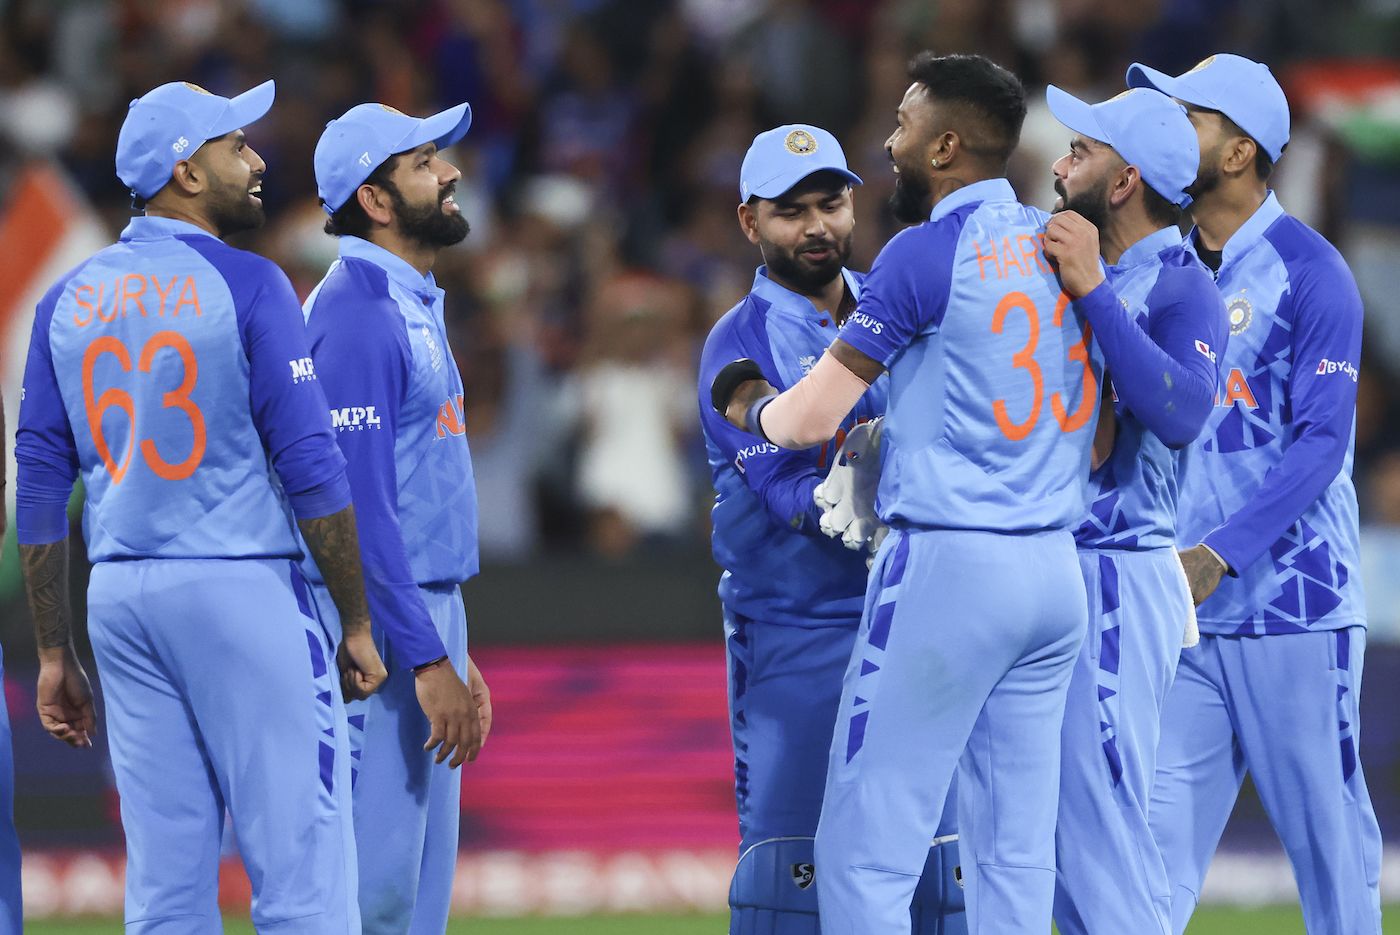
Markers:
point(913, 197)
point(1092, 205)
point(429, 224)
point(232, 209)
point(1208, 180)
point(804, 276)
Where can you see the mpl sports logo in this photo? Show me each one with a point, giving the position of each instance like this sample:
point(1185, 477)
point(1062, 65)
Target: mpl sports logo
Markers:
point(303, 369)
point(354, 419)
point(1325, 366)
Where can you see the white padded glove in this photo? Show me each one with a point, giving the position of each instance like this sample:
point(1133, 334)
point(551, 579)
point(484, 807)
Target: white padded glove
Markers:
point(847, 496)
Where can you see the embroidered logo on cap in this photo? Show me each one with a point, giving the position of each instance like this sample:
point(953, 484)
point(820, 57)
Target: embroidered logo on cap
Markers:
point(800, 143)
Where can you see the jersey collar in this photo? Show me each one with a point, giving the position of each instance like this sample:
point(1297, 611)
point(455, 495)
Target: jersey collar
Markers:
point(147, 227)
point(396, 266)
point(785, 300)
point(1149, 247)
point(985, 190)
point(1249, 234)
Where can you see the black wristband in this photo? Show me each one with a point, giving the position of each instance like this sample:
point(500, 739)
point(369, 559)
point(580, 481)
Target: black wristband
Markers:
point(428, 665)
point(728, 379)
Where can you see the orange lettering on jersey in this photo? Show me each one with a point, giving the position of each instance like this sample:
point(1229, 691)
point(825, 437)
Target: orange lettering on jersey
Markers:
point(83, 320)
point(1010, 259)
point(169, 287)
point(1236, 388)
point(451, 416)
point(985, 258)
point(102, 300)
point(1030, 252)
point(189, 295)
point(133, 295)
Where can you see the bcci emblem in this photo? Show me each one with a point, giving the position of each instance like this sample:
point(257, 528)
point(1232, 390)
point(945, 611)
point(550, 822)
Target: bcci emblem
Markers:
point(800, 143)
point(1240, 313)
point(803, 875)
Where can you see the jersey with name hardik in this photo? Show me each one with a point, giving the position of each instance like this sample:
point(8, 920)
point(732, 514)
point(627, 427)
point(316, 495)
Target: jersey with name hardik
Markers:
point(1170, 294)
point(172, 371)
point(994, 385)
point(778, 565)
point(1268, 486)
point(395, 394)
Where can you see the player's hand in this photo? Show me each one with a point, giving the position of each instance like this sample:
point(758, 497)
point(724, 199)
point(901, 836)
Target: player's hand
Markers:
point(361, 668)
point(1204, 572)
point(451, 711)
point(847, 496)
point(64, 698)
point(1072, 244)
point(482, 696)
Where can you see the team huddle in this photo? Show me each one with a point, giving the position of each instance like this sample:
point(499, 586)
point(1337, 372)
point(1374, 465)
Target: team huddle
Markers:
point(968, 504)
point(1101, 479)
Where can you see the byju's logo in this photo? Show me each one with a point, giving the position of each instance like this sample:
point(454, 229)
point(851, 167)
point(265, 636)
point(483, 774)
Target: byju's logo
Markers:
point(303, 369)
point(1325, 366)
point(354, 419)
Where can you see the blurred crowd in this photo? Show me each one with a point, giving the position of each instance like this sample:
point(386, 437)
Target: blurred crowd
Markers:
point(600, 179)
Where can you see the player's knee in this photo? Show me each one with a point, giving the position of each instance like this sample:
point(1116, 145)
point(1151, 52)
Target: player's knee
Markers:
point(938, 907)
point(774, 889)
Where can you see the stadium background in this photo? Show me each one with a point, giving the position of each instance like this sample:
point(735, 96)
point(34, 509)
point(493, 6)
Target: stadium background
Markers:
point(599, 178)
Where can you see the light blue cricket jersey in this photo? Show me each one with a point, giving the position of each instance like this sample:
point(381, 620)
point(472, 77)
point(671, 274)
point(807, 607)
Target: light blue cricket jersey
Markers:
point(1269, 485)
point(778, 565)
point(395, 395)
point(1172, 299)
point(172, 370)
point(994, 386)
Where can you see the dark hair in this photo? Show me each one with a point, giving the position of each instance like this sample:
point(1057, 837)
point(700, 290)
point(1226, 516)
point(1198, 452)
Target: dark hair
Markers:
point(350, 220)
point(1161, 211)
point(993, 98)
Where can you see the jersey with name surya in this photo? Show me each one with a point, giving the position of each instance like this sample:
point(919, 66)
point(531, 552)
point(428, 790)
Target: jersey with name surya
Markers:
point(994, 380)
point(779, 567)
point(1269, 486)
point(171, 366)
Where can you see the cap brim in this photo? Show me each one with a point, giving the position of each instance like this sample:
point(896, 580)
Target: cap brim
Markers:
point(775, 187)
point(1075, 114)
point(247, 108)
point(1140, 76)
point(441, 129)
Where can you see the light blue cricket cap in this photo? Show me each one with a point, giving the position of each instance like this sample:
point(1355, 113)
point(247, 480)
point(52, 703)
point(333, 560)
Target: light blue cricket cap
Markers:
point(780, 158)
point(359, 140)
point(1147, 128)
point(1242, 89)
point(166, 125)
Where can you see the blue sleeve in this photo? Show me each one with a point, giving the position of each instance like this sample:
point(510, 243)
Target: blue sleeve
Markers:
point(362, 360)
point(288, 406)
point(1165, 373)
point(783, 480)
point(1321, 392)
point(906, 292)
point(45, 453)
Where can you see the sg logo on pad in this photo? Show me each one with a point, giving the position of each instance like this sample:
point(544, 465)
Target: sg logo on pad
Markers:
point(803, 875)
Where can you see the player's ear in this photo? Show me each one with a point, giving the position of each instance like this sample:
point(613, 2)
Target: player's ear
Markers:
point(943, 149)
point(1239, 155)
point(375, 203)
point(748, 221)
point(1126, 181)
point(189, 176)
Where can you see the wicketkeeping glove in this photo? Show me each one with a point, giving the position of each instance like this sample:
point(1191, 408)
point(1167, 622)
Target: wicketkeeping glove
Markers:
point(847, 496)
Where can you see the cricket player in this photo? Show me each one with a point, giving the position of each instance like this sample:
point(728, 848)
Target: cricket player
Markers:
point(792, 596)
point(380, 348)
point(11, 903)
point(1160, 324)
point(172, 372)
point(1268, 521)
point(975, 608)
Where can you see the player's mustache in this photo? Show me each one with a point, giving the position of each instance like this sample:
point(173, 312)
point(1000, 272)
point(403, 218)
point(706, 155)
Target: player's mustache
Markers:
point(447, 192)
point(1060, 189)
point(817, 245)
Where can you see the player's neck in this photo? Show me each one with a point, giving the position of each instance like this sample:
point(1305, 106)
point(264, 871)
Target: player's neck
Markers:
point(176, 213)
point(1219, 214)
point(414, 253)
point(1124, 228)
